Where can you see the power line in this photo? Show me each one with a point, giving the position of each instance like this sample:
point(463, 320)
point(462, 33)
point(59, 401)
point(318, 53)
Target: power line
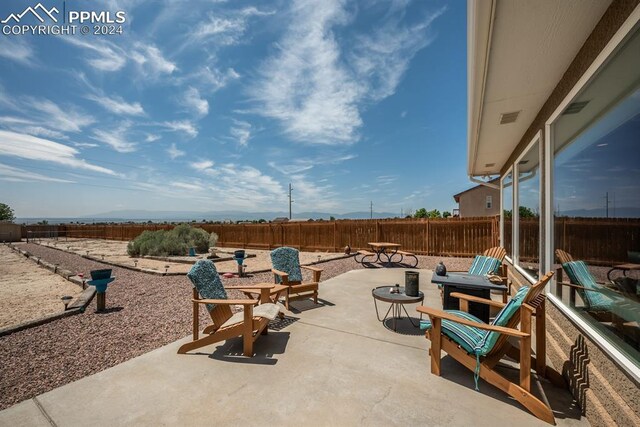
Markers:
point(290, 199)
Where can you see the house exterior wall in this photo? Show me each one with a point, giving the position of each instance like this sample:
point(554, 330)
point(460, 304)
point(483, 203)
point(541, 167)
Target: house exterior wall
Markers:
point(606, 393)
point(10, 232)
point(473, 202)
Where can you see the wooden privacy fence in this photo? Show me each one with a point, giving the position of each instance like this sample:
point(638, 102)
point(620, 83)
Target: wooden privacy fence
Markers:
point(595, 240)
point(453, 236)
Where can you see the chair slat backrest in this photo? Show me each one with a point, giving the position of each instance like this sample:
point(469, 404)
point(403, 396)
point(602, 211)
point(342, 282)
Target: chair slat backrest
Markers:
point(533, 293)
point(206, 281)
point(287, 260)
point(563, 256)
point(497, 252)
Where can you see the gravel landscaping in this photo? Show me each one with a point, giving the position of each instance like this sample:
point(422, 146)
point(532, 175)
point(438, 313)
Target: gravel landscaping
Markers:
point(144, 312)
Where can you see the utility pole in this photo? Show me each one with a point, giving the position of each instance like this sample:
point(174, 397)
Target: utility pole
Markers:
point(290, 200)
point(606, 204)
point(371, 207)
point(401, 214)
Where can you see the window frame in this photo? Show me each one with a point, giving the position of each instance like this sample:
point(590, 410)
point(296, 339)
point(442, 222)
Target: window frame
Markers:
point(509, 256)
point(627, 29)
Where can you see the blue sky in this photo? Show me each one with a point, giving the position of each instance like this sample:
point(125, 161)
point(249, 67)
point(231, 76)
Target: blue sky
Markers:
point(219, 105)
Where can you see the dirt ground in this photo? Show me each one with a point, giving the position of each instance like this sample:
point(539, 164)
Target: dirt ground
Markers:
point(116, 252)
point(28, 291)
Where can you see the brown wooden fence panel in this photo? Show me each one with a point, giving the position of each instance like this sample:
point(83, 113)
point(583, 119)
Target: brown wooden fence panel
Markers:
point(596, 240)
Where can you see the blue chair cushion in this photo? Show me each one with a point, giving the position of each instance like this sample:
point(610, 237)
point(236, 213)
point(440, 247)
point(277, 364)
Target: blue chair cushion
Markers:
point(205, 279)
point(467, 337)
point(287, 260)
point(483, 265)
point(503, 317)
point(579, 274)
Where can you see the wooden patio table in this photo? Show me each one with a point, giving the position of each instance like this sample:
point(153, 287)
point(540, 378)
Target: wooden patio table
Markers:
point(380, 249)
point(624, 268)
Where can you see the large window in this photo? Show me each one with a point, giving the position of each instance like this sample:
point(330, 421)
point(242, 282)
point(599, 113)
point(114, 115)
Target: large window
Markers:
point(528, 195)
point(596, 201)
point(507, 212)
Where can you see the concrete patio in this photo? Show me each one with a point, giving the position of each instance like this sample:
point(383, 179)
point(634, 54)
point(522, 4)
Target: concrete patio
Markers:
point(329, 365)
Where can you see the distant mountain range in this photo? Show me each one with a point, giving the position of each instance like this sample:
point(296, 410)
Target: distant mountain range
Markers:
point(621, 212)
point(142, 215)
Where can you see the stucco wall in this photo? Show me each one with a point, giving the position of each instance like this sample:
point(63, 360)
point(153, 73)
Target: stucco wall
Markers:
point(473, 202)
point(606, 395)
point(10, 232)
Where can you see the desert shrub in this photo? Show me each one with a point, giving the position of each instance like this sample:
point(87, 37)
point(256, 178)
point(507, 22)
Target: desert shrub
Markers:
point(213, 240)
point(166, 243)
point(199, 239)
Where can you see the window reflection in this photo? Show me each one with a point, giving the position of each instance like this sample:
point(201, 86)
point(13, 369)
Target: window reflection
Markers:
point(529, 210)
point(596, 191)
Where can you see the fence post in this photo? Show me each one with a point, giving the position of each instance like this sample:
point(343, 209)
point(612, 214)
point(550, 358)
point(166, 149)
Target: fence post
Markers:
point(377, 230)
point(427, 242)
point(244, 236)
point(335, 237)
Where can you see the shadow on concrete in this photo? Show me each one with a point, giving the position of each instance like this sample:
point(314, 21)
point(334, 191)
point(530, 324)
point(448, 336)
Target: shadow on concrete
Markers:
point(404, 326)
point(264, 349)
point(562, 403)
point(300, 306)
point(278, 324)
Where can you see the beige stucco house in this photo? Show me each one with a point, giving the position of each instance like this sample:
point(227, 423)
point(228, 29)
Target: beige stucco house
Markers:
point(481, 200)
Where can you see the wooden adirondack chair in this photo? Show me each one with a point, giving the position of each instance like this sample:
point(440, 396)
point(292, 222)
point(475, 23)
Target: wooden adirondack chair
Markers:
point(604, 304)
point(480, 346)
point(250, 323)
point(287, 271)
point(483, 268)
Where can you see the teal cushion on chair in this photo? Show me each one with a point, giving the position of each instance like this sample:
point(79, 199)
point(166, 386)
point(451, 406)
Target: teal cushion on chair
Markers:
point(287, 260)
point(205, 279)
point(483, 265)
point(467, 337)
point(507, 312)
point(579, 274)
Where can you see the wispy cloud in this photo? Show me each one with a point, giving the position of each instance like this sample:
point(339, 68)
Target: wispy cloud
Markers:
point(10, 173)
point(116, 138)
point(174, 152)
point(226, 28)
point(67, 119)
point(316, 88)
point(184, 126)
point(209, 79)
point(117, 105)
point(151, 60)
point(16, 49)
point(187, 186)
point(241, 132)
point(34, 148)
point(202, 165)
point(192, 100)
point(104, 56)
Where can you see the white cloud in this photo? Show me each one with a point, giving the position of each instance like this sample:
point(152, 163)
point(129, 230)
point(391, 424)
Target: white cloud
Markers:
point(202, 165)
point(227, 29)
point(187, 186)
point(151, 60)
point(16, 49)
point(152, 137)
point(68, 119)
point(116, 138)
point(105, 56)
point(33, 148)
point(9, 173)
point(194, 102)
point(241, 132)
point(210, 79)
point(174, 152)
point(316, 88)
point(181, 126)
point(117, 105)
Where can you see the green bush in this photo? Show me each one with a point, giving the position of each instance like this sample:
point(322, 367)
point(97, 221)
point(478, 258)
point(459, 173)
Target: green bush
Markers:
point(213, 240)
point(167, 243)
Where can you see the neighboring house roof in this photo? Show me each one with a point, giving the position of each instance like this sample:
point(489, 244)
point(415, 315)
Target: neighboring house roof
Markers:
point(517, 54)
point(281, 219)
point(456, 197)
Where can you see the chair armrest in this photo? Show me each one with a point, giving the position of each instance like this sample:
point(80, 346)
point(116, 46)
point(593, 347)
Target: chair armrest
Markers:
point(308, 267)
point(280, 273)
point(435, 313)
point(578, 287)
point(258, 286)
point(316, 272)
point(479, 300)
point(227, 301)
